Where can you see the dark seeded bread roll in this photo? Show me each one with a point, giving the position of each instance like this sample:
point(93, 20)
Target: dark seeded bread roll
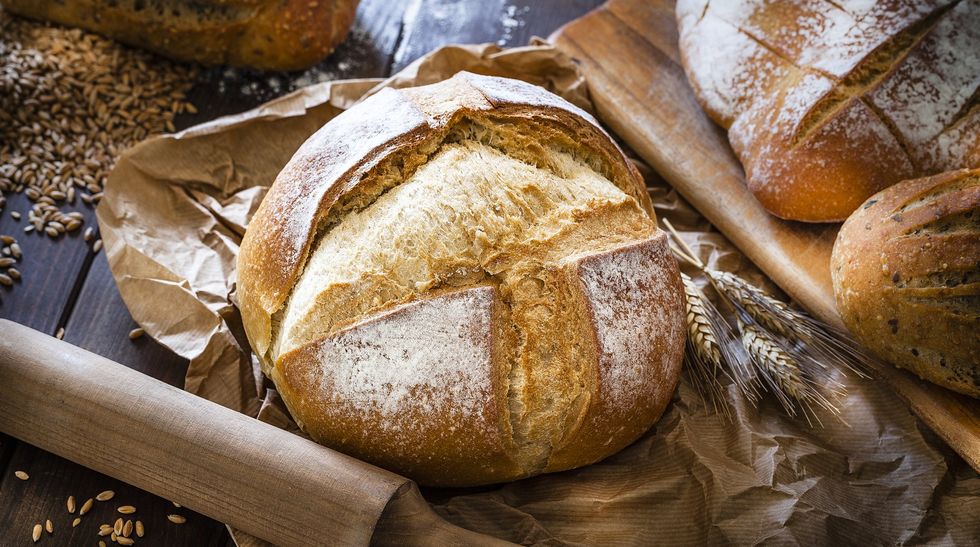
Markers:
point(463, 283)
point(264, 34)
point(906, 272)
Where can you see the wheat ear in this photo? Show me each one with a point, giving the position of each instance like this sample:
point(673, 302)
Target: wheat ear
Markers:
point(703, 355)
point(789, 379)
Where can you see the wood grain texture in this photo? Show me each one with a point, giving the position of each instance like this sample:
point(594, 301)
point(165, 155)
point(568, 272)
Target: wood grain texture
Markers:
point(628, 51)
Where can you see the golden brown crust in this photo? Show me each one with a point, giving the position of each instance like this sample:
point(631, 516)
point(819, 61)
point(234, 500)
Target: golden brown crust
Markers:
point(906, 272)
point(469, 346)
point(852, 100)
point(625, 294)
point(263, 34)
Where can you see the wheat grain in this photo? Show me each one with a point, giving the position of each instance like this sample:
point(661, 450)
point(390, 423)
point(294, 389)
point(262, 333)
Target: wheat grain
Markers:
point(105, 495)
point(71, 504)
point(22, 475)
point(76, 522)
point(176, 519)
point(64, 118)
point(49, 526)
point(85, 507)
point(139, 528)
point(127, 528)
point(36, 532)
point(118, 526)
point(126, 509)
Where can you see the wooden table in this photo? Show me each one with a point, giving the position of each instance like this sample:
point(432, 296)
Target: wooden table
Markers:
point(67, 286)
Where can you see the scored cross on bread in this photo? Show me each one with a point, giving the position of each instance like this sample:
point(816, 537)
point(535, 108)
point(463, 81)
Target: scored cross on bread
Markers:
point(826, 103)
point(464, 283)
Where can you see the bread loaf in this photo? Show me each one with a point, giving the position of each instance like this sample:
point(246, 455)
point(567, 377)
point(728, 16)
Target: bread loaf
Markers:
point(463, 282)
point(826, 103)
point(264, 34)
point(906, 273)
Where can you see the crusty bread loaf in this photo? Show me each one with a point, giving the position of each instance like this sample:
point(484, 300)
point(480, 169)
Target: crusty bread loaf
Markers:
point(264, 34)
point(463, 282)
point(826, 103)
point(906, 272)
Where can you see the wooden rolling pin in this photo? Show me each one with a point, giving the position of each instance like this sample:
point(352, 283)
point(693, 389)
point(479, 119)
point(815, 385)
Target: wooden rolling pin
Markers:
point(265, 481)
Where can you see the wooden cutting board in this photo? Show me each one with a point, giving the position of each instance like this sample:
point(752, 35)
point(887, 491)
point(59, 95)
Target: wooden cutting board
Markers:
point(628, 52)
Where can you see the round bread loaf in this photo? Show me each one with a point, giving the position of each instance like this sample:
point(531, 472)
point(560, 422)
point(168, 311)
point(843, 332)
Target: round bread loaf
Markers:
point(464, 283)
point(827, 103)
point(906, 273)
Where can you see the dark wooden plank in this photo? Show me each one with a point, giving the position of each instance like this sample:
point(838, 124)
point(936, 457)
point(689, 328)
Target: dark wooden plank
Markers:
point(101, 324)
point(366, 53)
point(433, 23)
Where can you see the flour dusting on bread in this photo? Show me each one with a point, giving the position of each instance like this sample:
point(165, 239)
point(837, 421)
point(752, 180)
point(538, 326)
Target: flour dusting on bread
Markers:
point(629, 299)
point(413, 361)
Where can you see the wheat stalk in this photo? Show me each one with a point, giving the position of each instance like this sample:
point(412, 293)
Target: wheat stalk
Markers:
point(768, 356)
point(762, 308)
point(783, 372)
point(702, 355)
point(713, 351)
point(783, 351)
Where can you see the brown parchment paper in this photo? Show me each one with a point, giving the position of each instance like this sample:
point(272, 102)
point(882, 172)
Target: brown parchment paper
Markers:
point(176, 208)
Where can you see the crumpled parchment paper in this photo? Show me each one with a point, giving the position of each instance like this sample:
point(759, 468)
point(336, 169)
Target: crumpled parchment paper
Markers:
point(176, 208)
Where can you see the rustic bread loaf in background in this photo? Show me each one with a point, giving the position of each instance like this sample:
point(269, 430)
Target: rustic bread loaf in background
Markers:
point(464, 283)
point(264, 34)
point(827, 103)
point(906, 273)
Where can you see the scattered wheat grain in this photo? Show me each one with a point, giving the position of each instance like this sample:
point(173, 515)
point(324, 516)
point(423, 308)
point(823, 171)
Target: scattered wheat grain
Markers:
point(105, 495)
